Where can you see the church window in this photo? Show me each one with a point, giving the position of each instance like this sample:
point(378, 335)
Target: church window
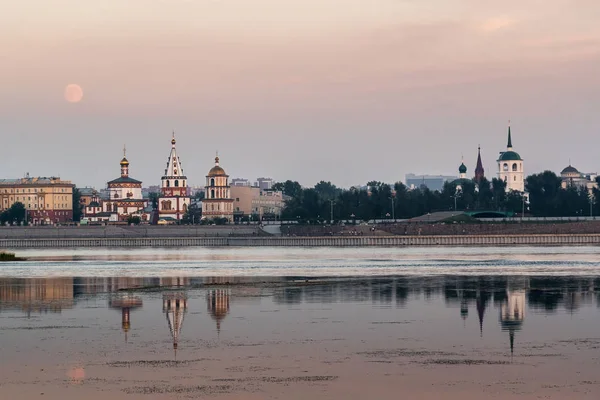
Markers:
point(176, 183)
point(212, 193)
point(505, 167)
point(168, 184)
point(212, 182)
point(514, 167)
point(115, 208)
point(116, 196)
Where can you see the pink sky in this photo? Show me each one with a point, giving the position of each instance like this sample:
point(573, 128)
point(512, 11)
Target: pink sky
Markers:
point(329, 79)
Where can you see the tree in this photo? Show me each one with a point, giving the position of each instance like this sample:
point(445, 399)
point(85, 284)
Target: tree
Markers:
point(153, 197)
point(289, 188)
point(544, 191)
point(77, 206)
point(193, 215)
point(498, 194)
point(134, 220)
point(16, 214)
point(485, 195)
point(326, 190)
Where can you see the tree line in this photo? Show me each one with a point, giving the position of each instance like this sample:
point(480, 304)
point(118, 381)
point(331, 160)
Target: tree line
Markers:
point(380, 200)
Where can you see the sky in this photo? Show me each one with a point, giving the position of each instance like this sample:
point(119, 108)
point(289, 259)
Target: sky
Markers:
point(345, 91)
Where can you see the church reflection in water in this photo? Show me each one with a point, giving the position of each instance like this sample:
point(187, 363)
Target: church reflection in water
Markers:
point(511, 296)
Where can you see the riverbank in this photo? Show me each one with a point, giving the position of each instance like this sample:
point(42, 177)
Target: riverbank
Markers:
point(330, 241)
point(6, 257)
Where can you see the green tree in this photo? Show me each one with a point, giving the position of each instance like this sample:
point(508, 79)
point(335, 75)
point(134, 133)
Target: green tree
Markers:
point(77, 206)
point(498, 194)
point(17, 213)
point(153, 197)
point(544, 194)
point(193, 215)
point(134, 220)
point(485, 195)
point(289, 188)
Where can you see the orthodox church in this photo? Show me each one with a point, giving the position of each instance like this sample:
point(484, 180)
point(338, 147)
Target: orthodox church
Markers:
point(510, 168)
point(174, 200)
point(217, 201)
point(125, 196)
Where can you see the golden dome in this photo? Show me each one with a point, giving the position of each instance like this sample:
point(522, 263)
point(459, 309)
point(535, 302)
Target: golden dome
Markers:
point(173, 141)
point(216, 170)
point(124, 161)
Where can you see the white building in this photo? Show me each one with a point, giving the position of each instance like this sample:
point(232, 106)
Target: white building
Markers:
point(124, 197)
point(174, 199)
point(510, 168)
point(217, 201)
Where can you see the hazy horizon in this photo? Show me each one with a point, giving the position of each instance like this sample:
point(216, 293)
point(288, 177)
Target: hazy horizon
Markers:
point(334, 90)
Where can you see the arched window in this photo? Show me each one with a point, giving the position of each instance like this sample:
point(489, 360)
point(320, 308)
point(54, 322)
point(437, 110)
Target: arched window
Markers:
point(176, 183)
point(514, 167)
point(212, 182)
point(212, 193)
point(115, 208)
point(168, 184)
point(505, 167)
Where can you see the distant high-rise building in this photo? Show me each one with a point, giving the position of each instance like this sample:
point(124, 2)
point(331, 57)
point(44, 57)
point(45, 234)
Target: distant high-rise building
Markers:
point(432, 182)
point(240, 182)
point(264, 183)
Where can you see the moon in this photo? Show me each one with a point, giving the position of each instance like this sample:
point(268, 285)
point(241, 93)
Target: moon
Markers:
point(73, 93)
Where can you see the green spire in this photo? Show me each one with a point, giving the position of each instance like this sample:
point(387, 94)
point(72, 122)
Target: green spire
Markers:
point(509, 139)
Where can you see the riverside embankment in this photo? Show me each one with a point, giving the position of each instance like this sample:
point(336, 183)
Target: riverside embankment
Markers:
point(585, 233)
point(326, 241)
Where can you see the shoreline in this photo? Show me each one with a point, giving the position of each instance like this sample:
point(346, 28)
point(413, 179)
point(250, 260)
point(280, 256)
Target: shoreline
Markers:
point(308, 241)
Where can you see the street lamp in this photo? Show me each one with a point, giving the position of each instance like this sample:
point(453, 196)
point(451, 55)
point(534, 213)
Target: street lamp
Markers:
point(456, 196)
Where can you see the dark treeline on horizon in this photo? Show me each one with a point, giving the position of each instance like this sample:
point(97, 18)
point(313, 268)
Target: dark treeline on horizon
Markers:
point(547, 198)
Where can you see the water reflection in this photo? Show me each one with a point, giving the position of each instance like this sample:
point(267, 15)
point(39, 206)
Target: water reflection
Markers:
point(507, 297)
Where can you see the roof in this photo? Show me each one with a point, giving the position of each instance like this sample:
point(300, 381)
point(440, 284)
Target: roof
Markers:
point(510, 156)
point(570, 170)
point(216, 171)
point(462, 169)
point(124, 179)
point(42, 180)
point(94, 204)
point(87, 191)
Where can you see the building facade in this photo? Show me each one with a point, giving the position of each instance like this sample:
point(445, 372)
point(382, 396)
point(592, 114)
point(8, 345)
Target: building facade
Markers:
point(217, 201)
point(124, 197)
point(174, 198)
point(572, 178)
point(432, 182)
point(510, 168)
point(46, 200)
point(252, 201)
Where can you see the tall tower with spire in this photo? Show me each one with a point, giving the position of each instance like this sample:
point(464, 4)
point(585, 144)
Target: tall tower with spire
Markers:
point(174, 200)
point(510, 167)
point(479, 171)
